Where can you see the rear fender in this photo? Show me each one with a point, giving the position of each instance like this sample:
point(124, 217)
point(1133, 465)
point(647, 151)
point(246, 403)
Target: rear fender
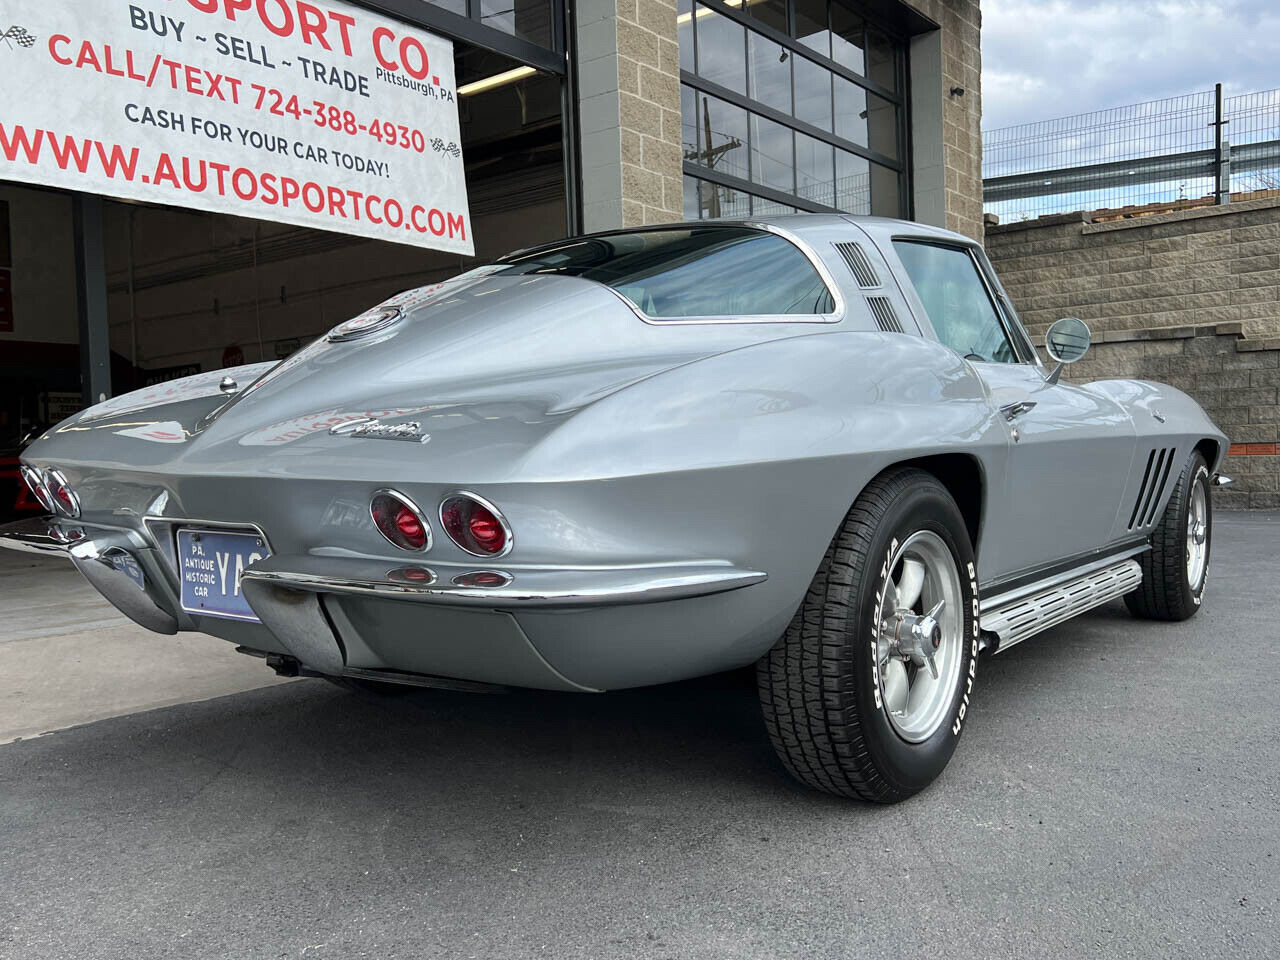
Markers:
point(754, 456)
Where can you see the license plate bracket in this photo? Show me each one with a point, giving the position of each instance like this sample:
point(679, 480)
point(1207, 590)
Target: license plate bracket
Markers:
point(210, 563)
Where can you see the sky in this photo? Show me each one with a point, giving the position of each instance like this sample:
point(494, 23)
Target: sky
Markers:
point(1052, 58)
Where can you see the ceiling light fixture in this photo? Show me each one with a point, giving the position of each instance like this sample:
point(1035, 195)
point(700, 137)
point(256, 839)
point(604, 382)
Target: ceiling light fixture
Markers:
point(497, 80)
point(707, 11)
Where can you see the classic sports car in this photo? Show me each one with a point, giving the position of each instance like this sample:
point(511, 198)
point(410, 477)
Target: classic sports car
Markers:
point(821, 444)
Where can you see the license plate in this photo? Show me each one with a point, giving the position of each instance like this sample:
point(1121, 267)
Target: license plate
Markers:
point(210, 563)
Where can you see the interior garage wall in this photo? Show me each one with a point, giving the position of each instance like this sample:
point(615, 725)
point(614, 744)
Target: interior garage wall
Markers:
point(186, 286)
point(43, 268)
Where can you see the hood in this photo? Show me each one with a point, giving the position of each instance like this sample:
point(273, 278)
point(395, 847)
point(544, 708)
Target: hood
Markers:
point(485, 367)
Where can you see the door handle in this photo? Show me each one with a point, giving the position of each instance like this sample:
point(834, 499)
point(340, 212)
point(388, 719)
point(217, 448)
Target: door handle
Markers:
point(1012, 411)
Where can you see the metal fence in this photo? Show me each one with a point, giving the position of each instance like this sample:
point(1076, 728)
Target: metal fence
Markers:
point(1193, 150)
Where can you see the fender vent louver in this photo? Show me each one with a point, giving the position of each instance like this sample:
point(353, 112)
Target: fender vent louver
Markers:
point(859, 263)
point(1154, 480)
point(886, 317)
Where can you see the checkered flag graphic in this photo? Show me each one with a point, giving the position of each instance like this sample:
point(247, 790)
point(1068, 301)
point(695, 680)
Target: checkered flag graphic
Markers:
point(18, 35)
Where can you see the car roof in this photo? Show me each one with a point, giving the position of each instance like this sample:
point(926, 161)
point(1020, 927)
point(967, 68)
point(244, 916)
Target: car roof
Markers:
point(799, 224)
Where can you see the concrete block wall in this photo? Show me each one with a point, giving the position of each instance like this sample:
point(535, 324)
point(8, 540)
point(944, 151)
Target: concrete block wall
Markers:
point(1191, 299)
point(629, 112)
point(1192, 267)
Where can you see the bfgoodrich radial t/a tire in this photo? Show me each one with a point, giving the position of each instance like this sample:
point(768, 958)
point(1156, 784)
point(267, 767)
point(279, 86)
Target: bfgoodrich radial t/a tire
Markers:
point(866, 693)
point(1176, 568)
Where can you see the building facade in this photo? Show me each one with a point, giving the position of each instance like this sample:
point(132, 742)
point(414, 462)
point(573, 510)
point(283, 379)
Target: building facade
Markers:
point(575, 116)
point(701, 108)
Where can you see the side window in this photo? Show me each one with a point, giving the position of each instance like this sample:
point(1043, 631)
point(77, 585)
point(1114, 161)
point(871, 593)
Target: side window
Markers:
point(956, 300)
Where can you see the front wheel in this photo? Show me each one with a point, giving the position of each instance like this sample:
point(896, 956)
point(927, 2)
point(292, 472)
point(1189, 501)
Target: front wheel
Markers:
point(866, 693)
point(1176, 568)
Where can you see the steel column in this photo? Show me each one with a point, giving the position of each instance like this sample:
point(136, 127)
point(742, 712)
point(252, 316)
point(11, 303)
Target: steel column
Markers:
point(91, 296)
point(1221, 152)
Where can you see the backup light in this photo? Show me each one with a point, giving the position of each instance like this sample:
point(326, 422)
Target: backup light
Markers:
point(399, 521)
point(475, 525)
point(414, 575)
point(482, 578)
point(64, 498)
point(31, 477)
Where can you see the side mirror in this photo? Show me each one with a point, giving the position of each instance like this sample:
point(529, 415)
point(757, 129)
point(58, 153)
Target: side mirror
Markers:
point(1066, 342)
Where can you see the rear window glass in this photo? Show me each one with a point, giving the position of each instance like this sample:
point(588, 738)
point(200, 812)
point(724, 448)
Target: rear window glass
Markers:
point(690, 272)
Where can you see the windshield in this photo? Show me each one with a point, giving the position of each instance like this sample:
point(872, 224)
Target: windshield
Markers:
point(714, 271)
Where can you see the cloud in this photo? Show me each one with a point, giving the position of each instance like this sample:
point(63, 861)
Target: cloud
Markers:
point(1061, 57)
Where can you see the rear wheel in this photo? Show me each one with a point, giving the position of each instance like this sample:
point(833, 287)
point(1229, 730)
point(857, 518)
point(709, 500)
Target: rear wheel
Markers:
point(866, 693)
point(1176, 568)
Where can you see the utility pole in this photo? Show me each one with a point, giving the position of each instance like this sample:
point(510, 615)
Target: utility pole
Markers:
point(711, 154)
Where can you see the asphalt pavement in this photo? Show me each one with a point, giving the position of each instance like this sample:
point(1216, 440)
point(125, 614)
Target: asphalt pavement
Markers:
point(1116, 794)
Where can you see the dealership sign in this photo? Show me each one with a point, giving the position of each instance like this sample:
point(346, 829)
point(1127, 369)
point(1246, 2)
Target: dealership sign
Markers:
point(318, 114)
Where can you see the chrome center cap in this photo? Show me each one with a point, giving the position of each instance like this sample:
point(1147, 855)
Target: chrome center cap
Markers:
point(927, 634)
point(918, 637)
point(1200, 533)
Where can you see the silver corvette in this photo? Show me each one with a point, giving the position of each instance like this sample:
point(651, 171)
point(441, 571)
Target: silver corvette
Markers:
point(823, 445)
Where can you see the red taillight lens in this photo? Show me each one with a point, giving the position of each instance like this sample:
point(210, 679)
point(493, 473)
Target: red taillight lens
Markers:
point(64, 498)
point(487, 531)
point(409, 525)
point(475, 526)
point(31, 476)
point(399, 521)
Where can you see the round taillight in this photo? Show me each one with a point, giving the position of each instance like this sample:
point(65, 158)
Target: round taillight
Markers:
point(64, 498)
point(31, 476)
point(399, 520)
point(475, 525)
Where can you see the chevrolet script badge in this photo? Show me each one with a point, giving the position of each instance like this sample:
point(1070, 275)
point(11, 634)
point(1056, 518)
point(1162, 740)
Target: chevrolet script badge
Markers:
point(377, 430)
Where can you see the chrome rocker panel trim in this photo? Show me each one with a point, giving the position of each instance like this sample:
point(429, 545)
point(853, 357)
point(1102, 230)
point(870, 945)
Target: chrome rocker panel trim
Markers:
point(1038, 607)
point(997, 601)
point(566, 587)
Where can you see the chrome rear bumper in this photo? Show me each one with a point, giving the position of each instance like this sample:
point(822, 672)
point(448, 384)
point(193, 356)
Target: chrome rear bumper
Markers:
point(119, 563)
point(41, 535)
point(328, 612)
point(499, 588)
